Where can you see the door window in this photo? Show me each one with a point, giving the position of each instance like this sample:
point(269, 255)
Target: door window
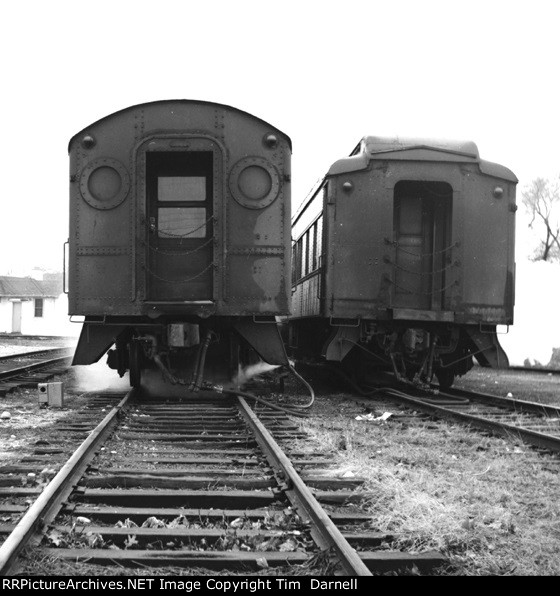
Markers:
point(181, 222)
point(180, 200)
point(423, 256)
point(181, 188)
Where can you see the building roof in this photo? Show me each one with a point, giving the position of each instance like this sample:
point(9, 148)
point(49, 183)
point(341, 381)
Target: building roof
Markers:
point(27, 287)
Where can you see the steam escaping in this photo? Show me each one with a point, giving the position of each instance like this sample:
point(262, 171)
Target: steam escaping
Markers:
point(98, 377)
point(245, 374)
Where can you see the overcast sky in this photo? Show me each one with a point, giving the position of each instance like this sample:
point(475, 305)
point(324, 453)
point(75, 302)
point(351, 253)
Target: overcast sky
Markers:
point(326, 73)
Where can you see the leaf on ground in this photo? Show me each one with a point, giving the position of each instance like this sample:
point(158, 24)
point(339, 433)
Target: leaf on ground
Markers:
point(373, 418)
point(130, 542)
point(153, 522)
point(127, 523)
point(289, 545)
point(237, 522)
point(95, 540)
point(55, 537)
point(468, 524)
point(178, 521)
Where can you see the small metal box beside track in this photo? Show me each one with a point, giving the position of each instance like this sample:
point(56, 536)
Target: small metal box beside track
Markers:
point(51, 394)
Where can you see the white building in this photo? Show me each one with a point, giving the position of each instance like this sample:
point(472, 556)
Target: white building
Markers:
point(33, 307)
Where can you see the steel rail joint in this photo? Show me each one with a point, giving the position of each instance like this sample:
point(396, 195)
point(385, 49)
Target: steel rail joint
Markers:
point(53, 493)
point(330, 534)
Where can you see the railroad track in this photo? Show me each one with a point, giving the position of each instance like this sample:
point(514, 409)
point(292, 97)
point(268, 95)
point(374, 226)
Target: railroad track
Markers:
point(19, 356)
point(536, 369)
point(29, 368)
point(203, 485)
point(534, 423)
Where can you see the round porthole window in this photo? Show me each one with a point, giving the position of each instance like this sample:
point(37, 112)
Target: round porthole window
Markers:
point(254, 182)
point(104, 183)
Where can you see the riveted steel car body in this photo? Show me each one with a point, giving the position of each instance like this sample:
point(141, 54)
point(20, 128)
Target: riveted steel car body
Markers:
point(405, 250)
point(179, 215)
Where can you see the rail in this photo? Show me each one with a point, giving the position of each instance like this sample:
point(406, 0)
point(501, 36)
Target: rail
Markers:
point(50, 501)
point(330, 534)
point(13, 372)
point(532, 437)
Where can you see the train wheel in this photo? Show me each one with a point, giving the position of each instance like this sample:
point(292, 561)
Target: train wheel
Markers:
point(445, 377)
point(135, 359)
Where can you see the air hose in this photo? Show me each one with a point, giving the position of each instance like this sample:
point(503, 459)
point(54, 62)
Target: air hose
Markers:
point(261, 400)
point(295, 410)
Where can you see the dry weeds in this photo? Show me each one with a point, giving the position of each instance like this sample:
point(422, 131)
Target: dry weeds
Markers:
point(489, 504)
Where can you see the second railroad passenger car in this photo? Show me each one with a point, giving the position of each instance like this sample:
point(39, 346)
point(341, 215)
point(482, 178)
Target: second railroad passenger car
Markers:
point(403, 258)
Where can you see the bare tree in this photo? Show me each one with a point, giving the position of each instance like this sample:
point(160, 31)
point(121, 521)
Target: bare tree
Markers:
point(542, 200)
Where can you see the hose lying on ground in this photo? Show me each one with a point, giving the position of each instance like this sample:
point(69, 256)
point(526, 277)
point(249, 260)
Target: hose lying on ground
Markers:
point(295, 410)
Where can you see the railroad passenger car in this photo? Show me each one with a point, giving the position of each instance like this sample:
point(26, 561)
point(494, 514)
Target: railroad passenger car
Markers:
point(179, 249)
point(403, 258)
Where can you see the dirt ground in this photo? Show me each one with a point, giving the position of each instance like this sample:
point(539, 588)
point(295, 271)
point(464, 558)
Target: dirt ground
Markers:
point(526, 385)
point(27, 421)
point(489, 504)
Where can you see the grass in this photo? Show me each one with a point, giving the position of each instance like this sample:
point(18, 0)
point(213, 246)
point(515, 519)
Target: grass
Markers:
point(489, 504)
point(531, 386)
